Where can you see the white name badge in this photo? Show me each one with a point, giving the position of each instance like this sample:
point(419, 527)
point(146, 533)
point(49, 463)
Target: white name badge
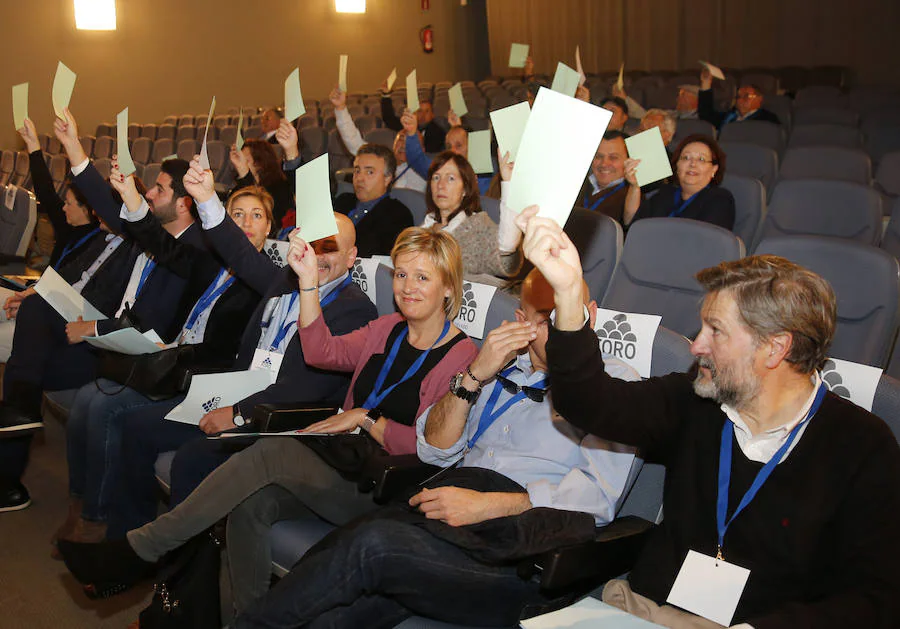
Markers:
point(476, 302)
point(627, 336)
point(708, 587)
point(269, 361)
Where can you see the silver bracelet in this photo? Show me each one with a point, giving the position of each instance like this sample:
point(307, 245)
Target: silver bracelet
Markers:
point(308, 290)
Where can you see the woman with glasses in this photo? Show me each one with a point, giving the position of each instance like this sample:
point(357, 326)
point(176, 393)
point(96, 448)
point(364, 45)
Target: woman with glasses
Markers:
point(699, 165)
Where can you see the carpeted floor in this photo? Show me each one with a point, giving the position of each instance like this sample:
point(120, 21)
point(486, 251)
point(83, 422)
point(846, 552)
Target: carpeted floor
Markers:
point(37, 592)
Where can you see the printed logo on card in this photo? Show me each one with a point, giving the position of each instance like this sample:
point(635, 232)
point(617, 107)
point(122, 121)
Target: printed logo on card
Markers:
point(628, 337)
point(469, 309)
point(617, 338)
point(267, 363)
point(212, 403)
point(852, 381)
point(363, 274)
point(833, 380)
point(476, 302)
point(277, 251)
point(359, 276)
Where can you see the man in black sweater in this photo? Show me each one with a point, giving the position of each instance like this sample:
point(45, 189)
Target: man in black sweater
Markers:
point(432, 133)
point(819, 537)
point(378, 218)
point(747, 106)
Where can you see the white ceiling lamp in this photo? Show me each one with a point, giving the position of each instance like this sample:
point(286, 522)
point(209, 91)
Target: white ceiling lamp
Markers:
point(350, 6)
point(95, 15)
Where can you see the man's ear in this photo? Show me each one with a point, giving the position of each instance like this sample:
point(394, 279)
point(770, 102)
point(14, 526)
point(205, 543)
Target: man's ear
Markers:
point(592, 313)
point(779, 348)
point(351, 256)
point(183, 205)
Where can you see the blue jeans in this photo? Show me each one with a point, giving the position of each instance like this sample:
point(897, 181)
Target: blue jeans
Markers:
point(93, 442)
point(397, 569)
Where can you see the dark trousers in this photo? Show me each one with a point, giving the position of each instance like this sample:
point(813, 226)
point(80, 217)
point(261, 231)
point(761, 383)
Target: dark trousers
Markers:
point(13, 460)
point(41, 354)
point(394, 569)
point(195, 460)
point(145, 435)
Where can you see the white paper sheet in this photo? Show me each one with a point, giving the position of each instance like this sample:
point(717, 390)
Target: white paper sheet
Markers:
point(342, 74)
point(315, 213)
point(578, 67)
point(627, 336)
point(476, 302)
point(518, 55)
point(852, 381)
point(211, 391)
point(392, 78)
point(64, 299)
point(556, 151)
point(127, 341)
point(620, 82)
point(123, 154)
point(412, 92)
point(648, 147)
point(565, 81)
point(479, 155)
point(715, 71)
point(363, 273)
point(588, 613)
point(509, 125)
point(204, 151)
point(708, 587)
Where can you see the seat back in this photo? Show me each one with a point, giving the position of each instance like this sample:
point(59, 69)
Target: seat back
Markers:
point(412, 199)
point(149, 131)
point(151, 172)
point(887, 176)
point(162, 149)
point(826, 115)
point(825, 135)
point(827, 162)
point(838, 209)
point(754, 161)
point(18, 219)
point(384, 287)
point(599, 240)
point(166, 132)
point(141, 150)
point(228, 135)
point(887, 403)
point(749, 205)
point(382, 136)
point(313, 142)
point(187, 149)
point(22, 169)
point(186, 132)
point(868, 312)
point(103, 166)
point(492, 207)
point(218, 153)
point(692, 127)
point(767, 134)
point(882, 142)
point(663, 283)
point(103, 146)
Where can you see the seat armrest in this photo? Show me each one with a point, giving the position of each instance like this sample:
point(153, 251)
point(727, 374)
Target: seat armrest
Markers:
point(292, 416)
point(389, 476)
point(611, 553)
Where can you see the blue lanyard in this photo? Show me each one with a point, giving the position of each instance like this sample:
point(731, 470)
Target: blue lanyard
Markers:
point(731, 117)
point(402, 172)
point(680, 206)
point(72, 246)
point(603, 198)
point(488, 416)
point(148, 268)
point(357, 214)
point(761, 477)
point(292, 322)
point(206, 300)
point(377, 395)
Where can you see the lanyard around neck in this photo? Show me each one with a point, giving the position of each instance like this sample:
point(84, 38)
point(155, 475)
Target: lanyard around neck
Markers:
point(679, 206)
point(488, 415)
point(604, 197)
point(209, 297)
point(378, 392)
point(72, 246)
point(725, 451)
point(145, 273)
point(291, 322)
point(357, 213)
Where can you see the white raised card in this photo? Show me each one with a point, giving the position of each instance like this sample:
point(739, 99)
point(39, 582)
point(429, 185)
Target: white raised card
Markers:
point(627, 336)
point(852, 381)
point(123, 155)
point(204, 151)
point(268, 361)
point(293, 97)
point(363, 273)
point(457, 102)
point(315, 213)
point(238, 137)
point(620, 82)
point(518, 55)
point(126, 341)
point(479, 154)
point(277, 251)
point(64, 299)
point(708, 587)
point(715, 71)
point(476, 302)
point(63, 86)
point(509, 125)
point(412, 92)
point(648, 147)
point(20, 104)
point(218, 390)
point(588, 613)
point(565, 81)
point(578, 67)
point(392, 78)
point(342, 74)
point(556, 151)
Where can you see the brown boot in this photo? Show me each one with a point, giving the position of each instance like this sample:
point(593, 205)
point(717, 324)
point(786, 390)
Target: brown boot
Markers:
point(67, 527)
point(87, 532)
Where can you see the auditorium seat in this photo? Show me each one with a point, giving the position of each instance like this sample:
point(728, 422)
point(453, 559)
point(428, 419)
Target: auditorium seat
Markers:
point(383, 136)
point(104, 128)
point(757, 132)
point(54, 146)
point(663, 283)
point(825, 135)
point(21, 171)
point(838, 209)
point(826, 162)
point(886, 404)
point(185, 119)
point(492, 207)
point(308, 120)
point(59, 169)
point(185, 132)
point(749, 204)
point(825, 115)
point(338, 155)
point(151, 172)
point(887, 175)
point(598, 239)
point(141, 150)
point(103, 146)
point(103, 166)
point(166, 132)
point(890, 242)
point(767, 83)
point(412, 199)
point(313, 142)
point(87, 143)
point(366, 123)
point(171, 120)
point(186, 149)
point(228, 135)
point(218, 154)
point(134, 131)
point(750, 160)
point(866, 281)
point(692, 127)
point(820, 96)
point(18, 218)
point(162, 149)
point(882, 142)
point(781, 106)
point(7, 165)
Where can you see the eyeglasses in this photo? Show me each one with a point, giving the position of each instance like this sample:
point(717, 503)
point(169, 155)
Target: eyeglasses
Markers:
point(747, 95)
point(702, 159)
point(532, 393)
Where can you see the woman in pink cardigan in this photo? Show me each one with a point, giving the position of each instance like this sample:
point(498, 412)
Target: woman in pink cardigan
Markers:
point(401, 363)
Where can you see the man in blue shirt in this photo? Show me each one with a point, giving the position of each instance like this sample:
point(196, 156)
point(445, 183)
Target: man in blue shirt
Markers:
point(378, 572)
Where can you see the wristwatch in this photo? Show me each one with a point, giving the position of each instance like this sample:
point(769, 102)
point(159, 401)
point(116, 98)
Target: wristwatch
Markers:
point(457, 389)
point(372, 416)
point(237, 418)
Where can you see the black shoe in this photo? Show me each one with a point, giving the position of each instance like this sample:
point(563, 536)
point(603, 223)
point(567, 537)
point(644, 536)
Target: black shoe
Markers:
point(14, 498)
point(105, 564)
point(16, 423)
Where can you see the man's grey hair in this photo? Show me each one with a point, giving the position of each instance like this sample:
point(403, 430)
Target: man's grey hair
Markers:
point(669, 124)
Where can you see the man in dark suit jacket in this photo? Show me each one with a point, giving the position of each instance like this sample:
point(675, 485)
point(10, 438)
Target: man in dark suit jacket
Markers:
point(747, 106)
point(378, 218)
point(433, 135)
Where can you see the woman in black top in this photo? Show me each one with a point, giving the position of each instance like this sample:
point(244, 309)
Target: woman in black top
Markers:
point(699, 165)
point(257, 164)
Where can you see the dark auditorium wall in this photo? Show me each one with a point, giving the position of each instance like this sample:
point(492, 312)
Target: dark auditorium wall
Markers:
point(674, 34)
point(173, 56)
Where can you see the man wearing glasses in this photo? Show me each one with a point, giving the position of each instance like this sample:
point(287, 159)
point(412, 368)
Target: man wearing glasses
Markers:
point(747, 106)
point(498, 417)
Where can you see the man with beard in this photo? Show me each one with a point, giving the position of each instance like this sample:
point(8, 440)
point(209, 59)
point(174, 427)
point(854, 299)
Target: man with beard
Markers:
point(781, 498)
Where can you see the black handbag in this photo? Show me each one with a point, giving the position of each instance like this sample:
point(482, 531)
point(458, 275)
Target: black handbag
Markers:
point(187, 595)
point(157, 376)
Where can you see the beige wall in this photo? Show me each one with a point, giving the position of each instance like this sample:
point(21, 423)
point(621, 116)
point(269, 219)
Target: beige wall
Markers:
point(172, 56)
point(674, 34)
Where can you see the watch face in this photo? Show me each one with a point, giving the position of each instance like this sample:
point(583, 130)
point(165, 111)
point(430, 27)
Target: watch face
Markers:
point(238, 420)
